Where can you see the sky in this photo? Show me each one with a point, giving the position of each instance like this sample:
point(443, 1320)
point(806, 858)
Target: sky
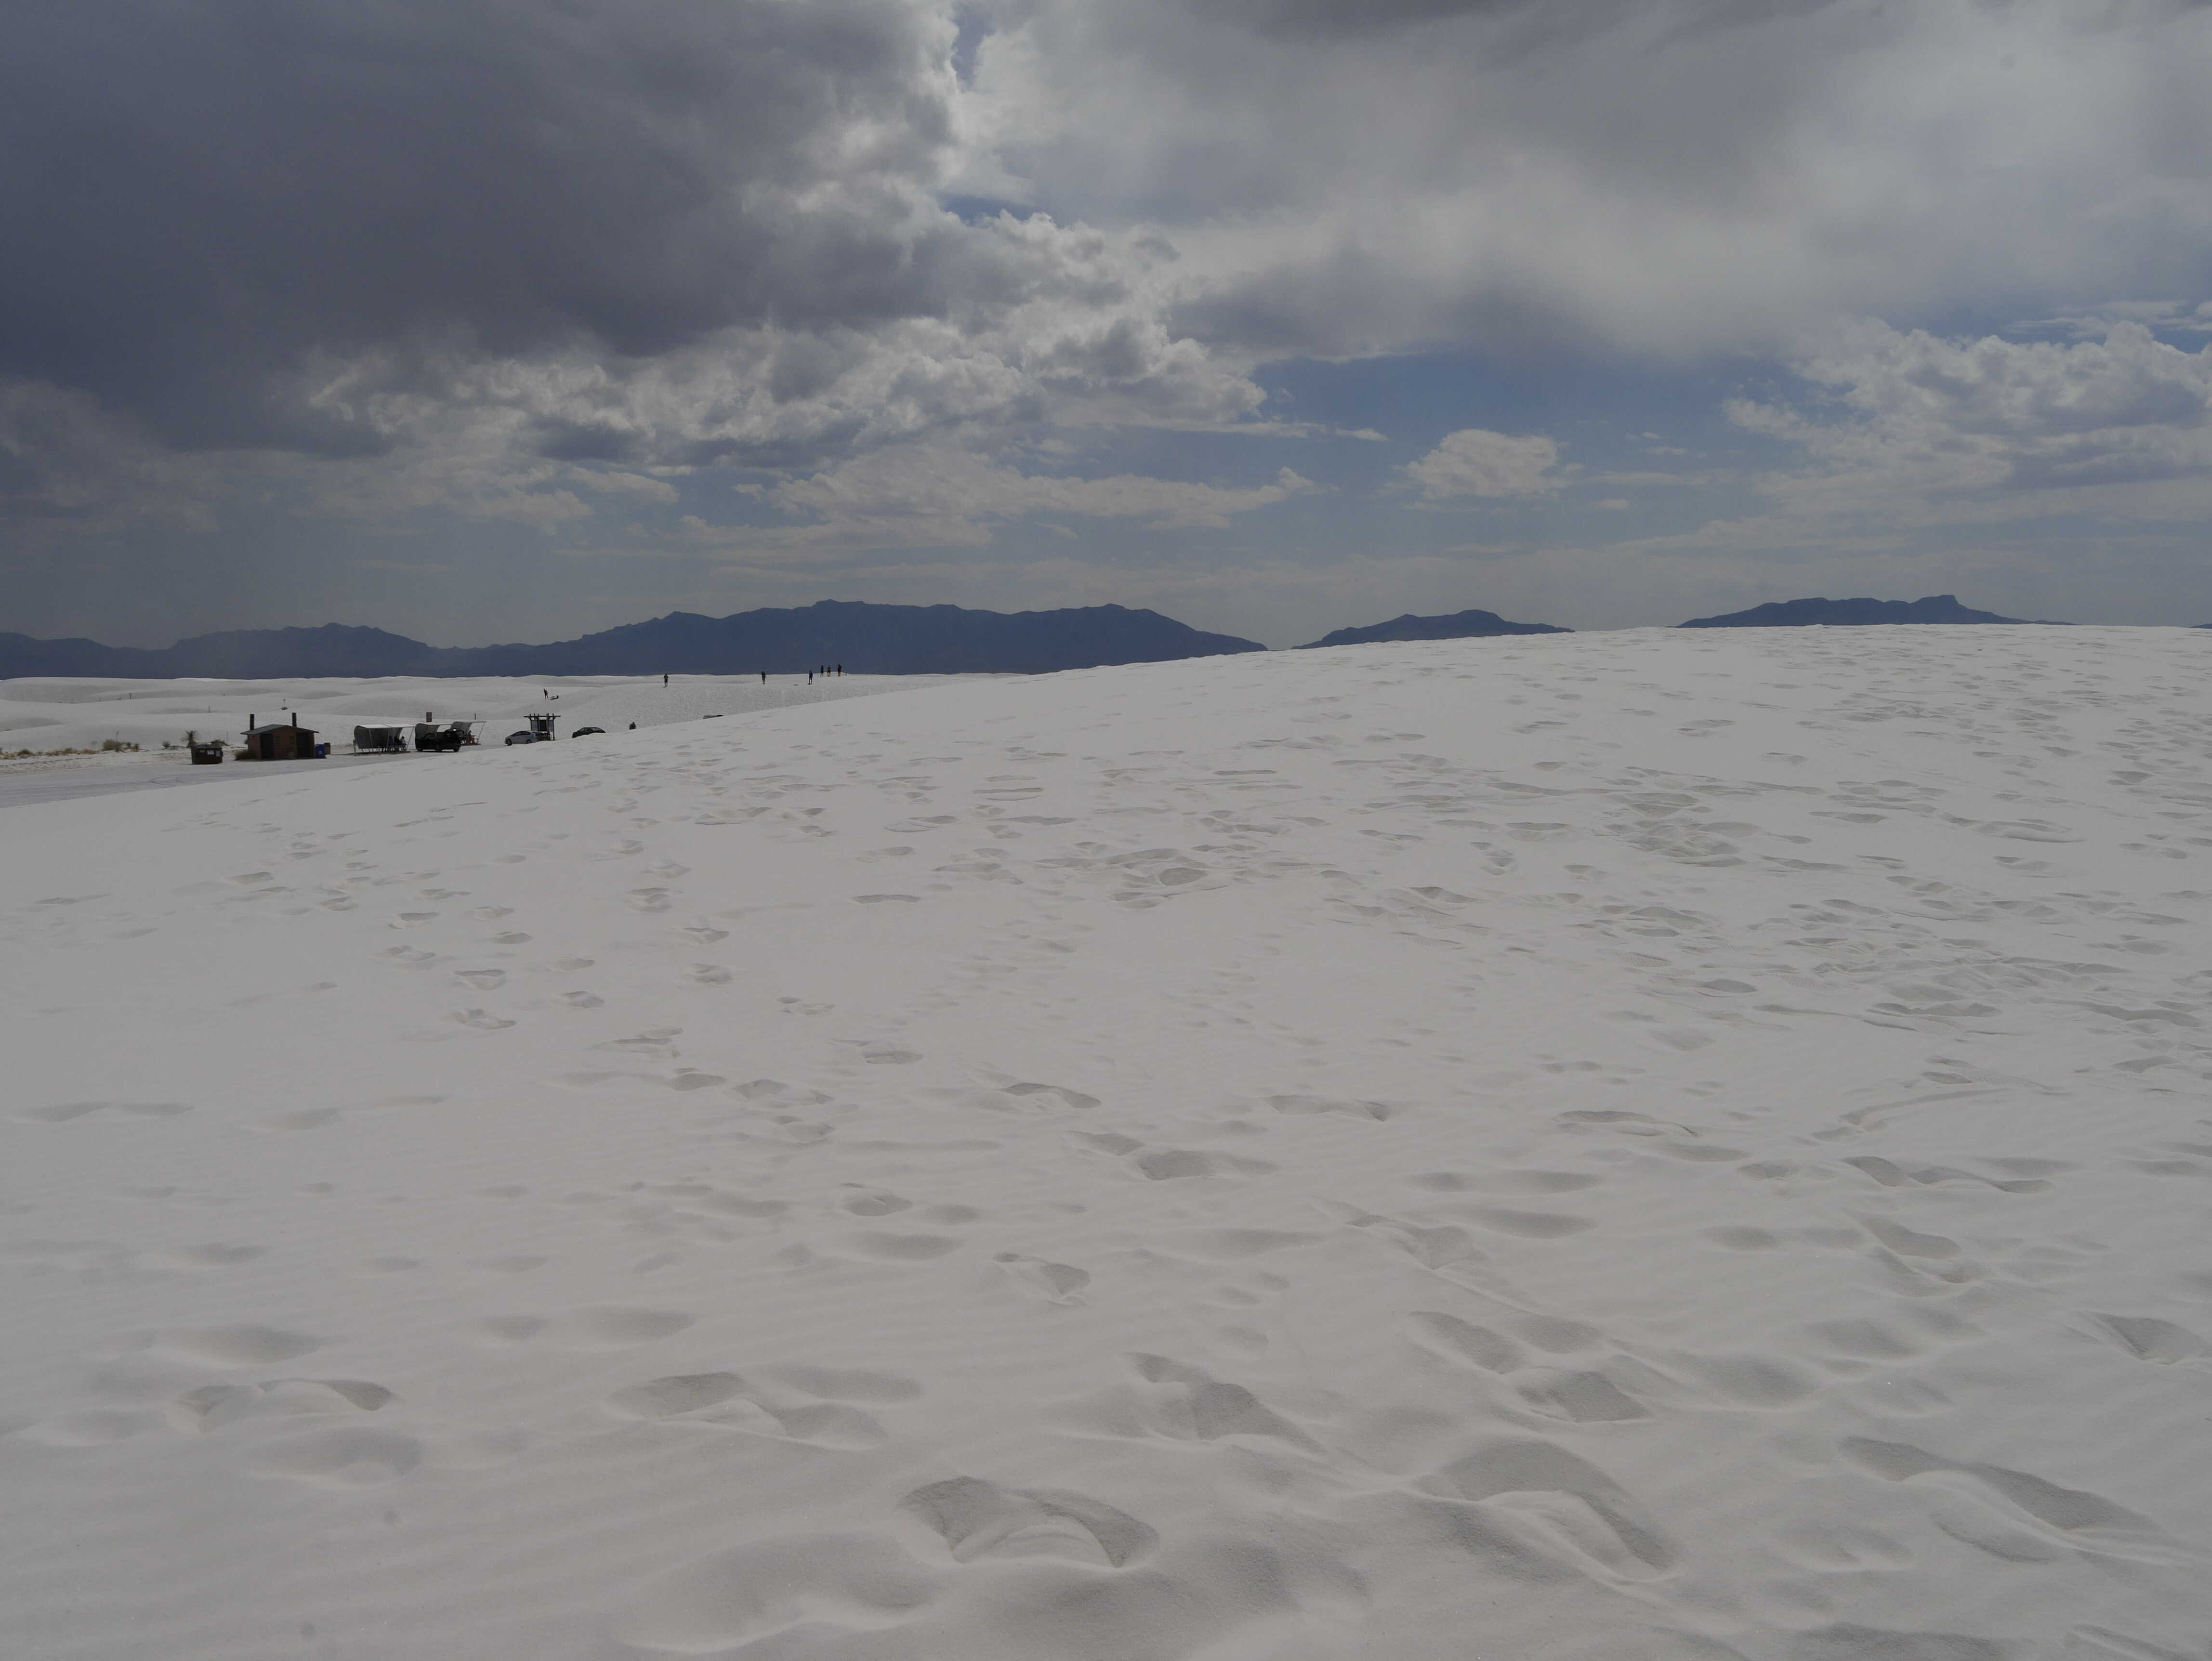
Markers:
point(509, 320)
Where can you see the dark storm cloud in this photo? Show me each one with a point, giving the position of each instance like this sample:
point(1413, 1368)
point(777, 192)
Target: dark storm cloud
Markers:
point(197, 195)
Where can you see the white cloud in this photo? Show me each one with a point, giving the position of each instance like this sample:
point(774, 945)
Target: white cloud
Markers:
point(2094, 322)
point(1927, 416)
point(1475, 463)
point(1670, 176)
point(921, 498)
point(722, 237)
point(613, 482)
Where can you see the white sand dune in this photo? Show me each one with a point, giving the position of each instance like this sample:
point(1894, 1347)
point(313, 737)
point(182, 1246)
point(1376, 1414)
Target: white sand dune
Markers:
point(1652, 1145)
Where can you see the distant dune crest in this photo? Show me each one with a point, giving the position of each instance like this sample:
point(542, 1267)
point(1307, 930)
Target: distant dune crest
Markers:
point(867, 639)
point(1850, 613)
point(1460, 626)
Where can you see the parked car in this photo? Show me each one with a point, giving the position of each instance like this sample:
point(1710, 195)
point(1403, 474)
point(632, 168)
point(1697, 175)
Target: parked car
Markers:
point(430, 737)
point(586, 732)
point(525, 736)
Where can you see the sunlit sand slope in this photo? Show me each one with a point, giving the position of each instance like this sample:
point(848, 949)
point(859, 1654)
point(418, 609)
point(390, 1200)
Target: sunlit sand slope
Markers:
point(1638, 1146)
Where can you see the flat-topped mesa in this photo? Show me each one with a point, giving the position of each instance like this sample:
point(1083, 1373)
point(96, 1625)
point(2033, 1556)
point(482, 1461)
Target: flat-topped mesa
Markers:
point(1460, 626)
point(1850, 614)
point(864, 638)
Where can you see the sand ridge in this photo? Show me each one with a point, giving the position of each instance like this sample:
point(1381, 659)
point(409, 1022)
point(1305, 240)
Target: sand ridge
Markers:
point(1656, 1145)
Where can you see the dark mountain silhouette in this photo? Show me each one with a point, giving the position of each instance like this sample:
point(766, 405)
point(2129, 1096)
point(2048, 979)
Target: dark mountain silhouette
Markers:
point(1850, 613)
point(878, 639)
point(234, 655)
point(1460, 626)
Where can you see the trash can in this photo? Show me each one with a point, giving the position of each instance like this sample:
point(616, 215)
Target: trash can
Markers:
point(321, 751)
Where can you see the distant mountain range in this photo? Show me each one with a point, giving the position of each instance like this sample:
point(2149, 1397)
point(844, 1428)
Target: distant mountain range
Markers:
point(876, 640)
point(1850, 613)
point(1460, 626)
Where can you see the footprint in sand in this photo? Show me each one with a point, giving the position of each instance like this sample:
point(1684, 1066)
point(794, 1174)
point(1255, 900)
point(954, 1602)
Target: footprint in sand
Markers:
point(977, 1519)
point(2147, 1338)
point(1614, 1391)
point(1093, 1585)
point(1167, 1164)
point(1866, 1339)
point(1350, 1110)
point(901, 1248)
point(727, 1401)
point(1233, 1244)
point(1462, 1340)
point(210, 1255)
point(824, 1585)
point(1038, 1094)
point(1530, 1510)
point(95, 1428)
point(676, 1396)
point(2027, 1178)
point(1749, 1381)
point(1910, 1243)
point(873, 1202)
point(1579, 1398)
point(1529, 1225)
point(2013, 1515)
point(1105, 1141)
point(1504, 1182)
point(1901, 1398)
point(64, 1112)
point(615, 1327)
point(348, 1457)
point(393, 1265)
point(1444, 1246)
point(306, 1118)
point(503, 1330)
point(1849, 1641)
point(237, 1346)
point(1841, 1548)
point(213, 1406)
point(1056, 1283)
point(1738, 1238)
point(845, 1384)
point(1170, 1400)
